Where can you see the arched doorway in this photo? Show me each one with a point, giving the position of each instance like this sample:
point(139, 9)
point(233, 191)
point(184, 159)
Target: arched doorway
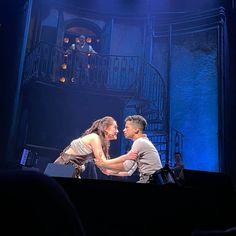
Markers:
point(76, 27)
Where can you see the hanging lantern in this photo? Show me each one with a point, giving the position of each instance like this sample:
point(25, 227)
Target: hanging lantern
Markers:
point(66, 40)
point(89, 40)
point(62, 79)
point(64, 66)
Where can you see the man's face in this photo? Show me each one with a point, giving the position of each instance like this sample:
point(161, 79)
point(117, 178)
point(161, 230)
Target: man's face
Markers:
point(81, 39)
point(130, 130)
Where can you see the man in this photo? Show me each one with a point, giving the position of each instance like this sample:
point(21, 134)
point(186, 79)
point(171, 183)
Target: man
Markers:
point(83, 51)
point(148, 160)
point(82, 46)
point(178, 168)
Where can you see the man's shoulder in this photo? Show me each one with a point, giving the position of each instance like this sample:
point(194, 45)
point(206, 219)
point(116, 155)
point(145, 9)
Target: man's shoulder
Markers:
point(142, 139)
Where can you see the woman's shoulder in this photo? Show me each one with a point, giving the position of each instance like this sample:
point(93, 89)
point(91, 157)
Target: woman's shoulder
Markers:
point(91, 136)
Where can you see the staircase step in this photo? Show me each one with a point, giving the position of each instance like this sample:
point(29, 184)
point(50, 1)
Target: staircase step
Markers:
point(159, 143)
point(154, 121)
point(156, 132)
point(161, 152)
point(150, 112)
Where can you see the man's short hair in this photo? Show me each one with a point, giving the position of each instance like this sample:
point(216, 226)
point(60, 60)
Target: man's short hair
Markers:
point(138, 120)
point(82, 36)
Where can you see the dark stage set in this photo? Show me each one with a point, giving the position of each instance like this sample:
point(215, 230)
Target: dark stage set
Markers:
point(171, 61)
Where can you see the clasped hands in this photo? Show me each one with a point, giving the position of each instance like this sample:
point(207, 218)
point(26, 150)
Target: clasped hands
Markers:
point(131, 155)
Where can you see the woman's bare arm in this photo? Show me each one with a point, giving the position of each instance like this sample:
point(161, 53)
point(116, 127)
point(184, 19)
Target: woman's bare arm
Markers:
point(96, 145)
point(114, 173)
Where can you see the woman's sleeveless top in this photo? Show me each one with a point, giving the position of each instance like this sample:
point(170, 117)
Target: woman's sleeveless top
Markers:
point(83, 154)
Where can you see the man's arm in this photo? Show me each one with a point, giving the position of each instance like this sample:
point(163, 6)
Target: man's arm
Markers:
point(114, 173)
point(100, 158)
point(127, 166)
point(126, 172)
point(91, 50)
point(108, 165)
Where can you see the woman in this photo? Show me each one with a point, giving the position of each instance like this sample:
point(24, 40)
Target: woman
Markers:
point(93, 144)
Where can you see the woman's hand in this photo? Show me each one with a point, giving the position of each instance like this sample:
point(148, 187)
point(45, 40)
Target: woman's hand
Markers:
point(131, 155)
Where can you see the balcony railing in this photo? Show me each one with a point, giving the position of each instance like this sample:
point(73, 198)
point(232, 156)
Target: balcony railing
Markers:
point(52, 64)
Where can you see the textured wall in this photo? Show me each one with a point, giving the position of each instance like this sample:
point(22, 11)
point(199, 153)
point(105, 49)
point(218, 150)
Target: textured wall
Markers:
point(194, 98)
point(127, 38)
point(193, 94)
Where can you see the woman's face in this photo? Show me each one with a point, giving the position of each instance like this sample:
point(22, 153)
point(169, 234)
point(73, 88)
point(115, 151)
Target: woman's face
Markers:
point(111, 132)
